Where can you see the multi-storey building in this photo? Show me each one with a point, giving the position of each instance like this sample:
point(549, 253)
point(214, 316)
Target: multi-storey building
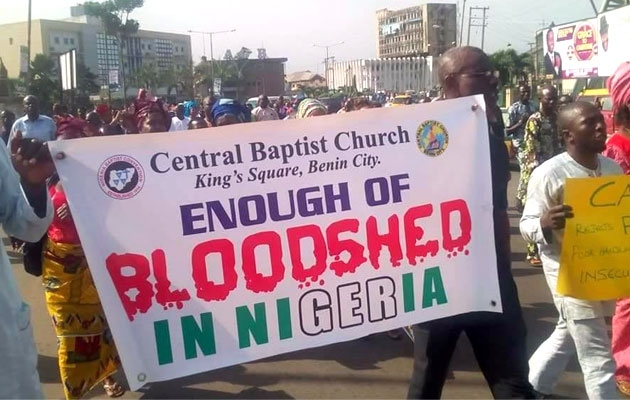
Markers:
point(96, 50)
point(429, 29)
point(389, 74)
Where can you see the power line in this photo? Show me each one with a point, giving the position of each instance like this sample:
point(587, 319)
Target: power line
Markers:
point(473, 20)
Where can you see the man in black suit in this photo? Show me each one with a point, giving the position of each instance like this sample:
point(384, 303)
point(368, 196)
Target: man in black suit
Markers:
point(553, 61)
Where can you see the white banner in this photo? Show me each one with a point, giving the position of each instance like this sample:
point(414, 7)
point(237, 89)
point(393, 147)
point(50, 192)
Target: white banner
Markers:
point(224, 246)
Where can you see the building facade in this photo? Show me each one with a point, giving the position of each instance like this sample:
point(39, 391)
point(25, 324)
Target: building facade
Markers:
point(428, 29)
point(256, 77)
point(389, 74)
point(305, 79)
point(96, 50)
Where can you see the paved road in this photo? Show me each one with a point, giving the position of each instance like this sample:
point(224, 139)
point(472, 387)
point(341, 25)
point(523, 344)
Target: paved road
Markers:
point(376, 367)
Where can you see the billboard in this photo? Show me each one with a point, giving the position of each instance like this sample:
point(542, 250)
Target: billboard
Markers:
point(614, 31)
point(588, 48)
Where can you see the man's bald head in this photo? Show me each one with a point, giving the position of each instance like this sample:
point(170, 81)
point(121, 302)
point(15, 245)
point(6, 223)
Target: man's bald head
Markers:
point(547, 89)
point(466, 71)
point(460, 59)
point(548, 97)
point(31, 107)
point(583, 128)
point(569, 114)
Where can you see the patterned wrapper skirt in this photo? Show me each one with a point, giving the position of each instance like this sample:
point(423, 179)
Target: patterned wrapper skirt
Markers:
point(86, 350)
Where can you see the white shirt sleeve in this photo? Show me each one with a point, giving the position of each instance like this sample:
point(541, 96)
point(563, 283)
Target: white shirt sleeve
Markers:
point(16, 214)
point(539, 200)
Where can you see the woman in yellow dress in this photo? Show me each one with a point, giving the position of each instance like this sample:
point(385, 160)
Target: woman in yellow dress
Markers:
point(86, 351)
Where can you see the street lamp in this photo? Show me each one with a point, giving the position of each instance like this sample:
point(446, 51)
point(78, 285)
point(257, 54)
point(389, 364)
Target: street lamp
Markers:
point(326, 61)
point(203, 35)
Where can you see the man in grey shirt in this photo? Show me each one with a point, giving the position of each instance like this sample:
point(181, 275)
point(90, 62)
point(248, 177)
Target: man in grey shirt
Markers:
point(25, 212)
point(32, 124)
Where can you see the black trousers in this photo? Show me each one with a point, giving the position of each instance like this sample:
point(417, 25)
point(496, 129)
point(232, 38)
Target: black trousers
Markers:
point(498, 340)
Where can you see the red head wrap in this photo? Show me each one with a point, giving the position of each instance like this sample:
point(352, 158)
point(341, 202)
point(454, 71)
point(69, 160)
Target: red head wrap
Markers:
point(70, 128)
point(145, 105)
point(619, 86)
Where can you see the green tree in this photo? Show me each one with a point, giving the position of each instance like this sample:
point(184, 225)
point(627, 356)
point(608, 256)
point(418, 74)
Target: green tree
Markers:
point(512, 66)
point(43, 80)
point(86, 81)
point(114, 16)
point(146, 77)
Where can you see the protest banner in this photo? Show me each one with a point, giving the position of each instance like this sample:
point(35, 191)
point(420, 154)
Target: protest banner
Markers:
point(595, 259)
point(215, 247)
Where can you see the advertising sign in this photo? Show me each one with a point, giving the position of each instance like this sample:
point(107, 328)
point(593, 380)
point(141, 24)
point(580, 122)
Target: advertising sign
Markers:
point(250, 240)
point(589, 48)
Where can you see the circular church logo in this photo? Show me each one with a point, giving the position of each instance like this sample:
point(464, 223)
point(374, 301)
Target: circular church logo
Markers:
point(121, 177)
point(432, 138)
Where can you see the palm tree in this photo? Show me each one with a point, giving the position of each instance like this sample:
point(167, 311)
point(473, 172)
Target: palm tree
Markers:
point(146, 77)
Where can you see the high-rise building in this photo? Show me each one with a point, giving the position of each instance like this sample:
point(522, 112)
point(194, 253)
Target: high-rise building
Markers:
point(96, 50)
point(428, 29)
point(385, 74)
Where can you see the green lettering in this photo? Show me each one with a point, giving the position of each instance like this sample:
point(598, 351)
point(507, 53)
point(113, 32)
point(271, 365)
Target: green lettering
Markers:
point(284, 318)
point(163, 342)
point(433, 288)
point(256, 325)
point(194, 335)
point(409, 296)
point(624, 195)
point(599, 189)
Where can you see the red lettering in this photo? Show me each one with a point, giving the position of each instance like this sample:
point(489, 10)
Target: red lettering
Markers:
point(254, 280)
point(295, 235)
point(465, 225)
point(139, 281)
point(391, 240)
point(415, 233)
point(164, 295)
point(206, 289)
point(337, 246)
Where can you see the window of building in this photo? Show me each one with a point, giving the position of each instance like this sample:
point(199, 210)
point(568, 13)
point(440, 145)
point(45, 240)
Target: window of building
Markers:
point(72, 41)
point(52, 49)
point(65, 41)
point(10, 41)
point(56, 40)
point(149, 46)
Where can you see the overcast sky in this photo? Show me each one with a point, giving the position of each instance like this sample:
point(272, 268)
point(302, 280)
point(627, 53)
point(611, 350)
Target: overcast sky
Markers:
point(289, 28)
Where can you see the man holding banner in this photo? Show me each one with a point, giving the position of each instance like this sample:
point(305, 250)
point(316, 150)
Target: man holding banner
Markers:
point(581, 327)
point(498, 340)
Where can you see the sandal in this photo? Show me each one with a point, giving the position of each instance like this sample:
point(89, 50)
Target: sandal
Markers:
point(114, 390)
point(534, 261)
point(624, 387)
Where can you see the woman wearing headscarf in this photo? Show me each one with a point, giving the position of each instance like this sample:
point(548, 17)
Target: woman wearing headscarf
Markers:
point(86, 351)
point(310, 108)
point(150, 114)
point(618, 148)
point(229, 114)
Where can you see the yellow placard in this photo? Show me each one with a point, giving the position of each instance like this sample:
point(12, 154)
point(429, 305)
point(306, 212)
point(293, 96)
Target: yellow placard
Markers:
point(595, 259)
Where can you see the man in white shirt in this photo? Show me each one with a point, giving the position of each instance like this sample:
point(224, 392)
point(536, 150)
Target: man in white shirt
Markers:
point(32, 124)
point(25, 212)
point(179, 121)
point(263, 112)
point(581, 327)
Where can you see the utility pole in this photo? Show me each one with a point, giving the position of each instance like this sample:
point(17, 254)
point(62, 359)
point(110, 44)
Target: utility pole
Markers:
point(483, 24)
point(461, 30)
point(28, 45)
point(534, 49)
point(327, 47)
point(203, 35)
